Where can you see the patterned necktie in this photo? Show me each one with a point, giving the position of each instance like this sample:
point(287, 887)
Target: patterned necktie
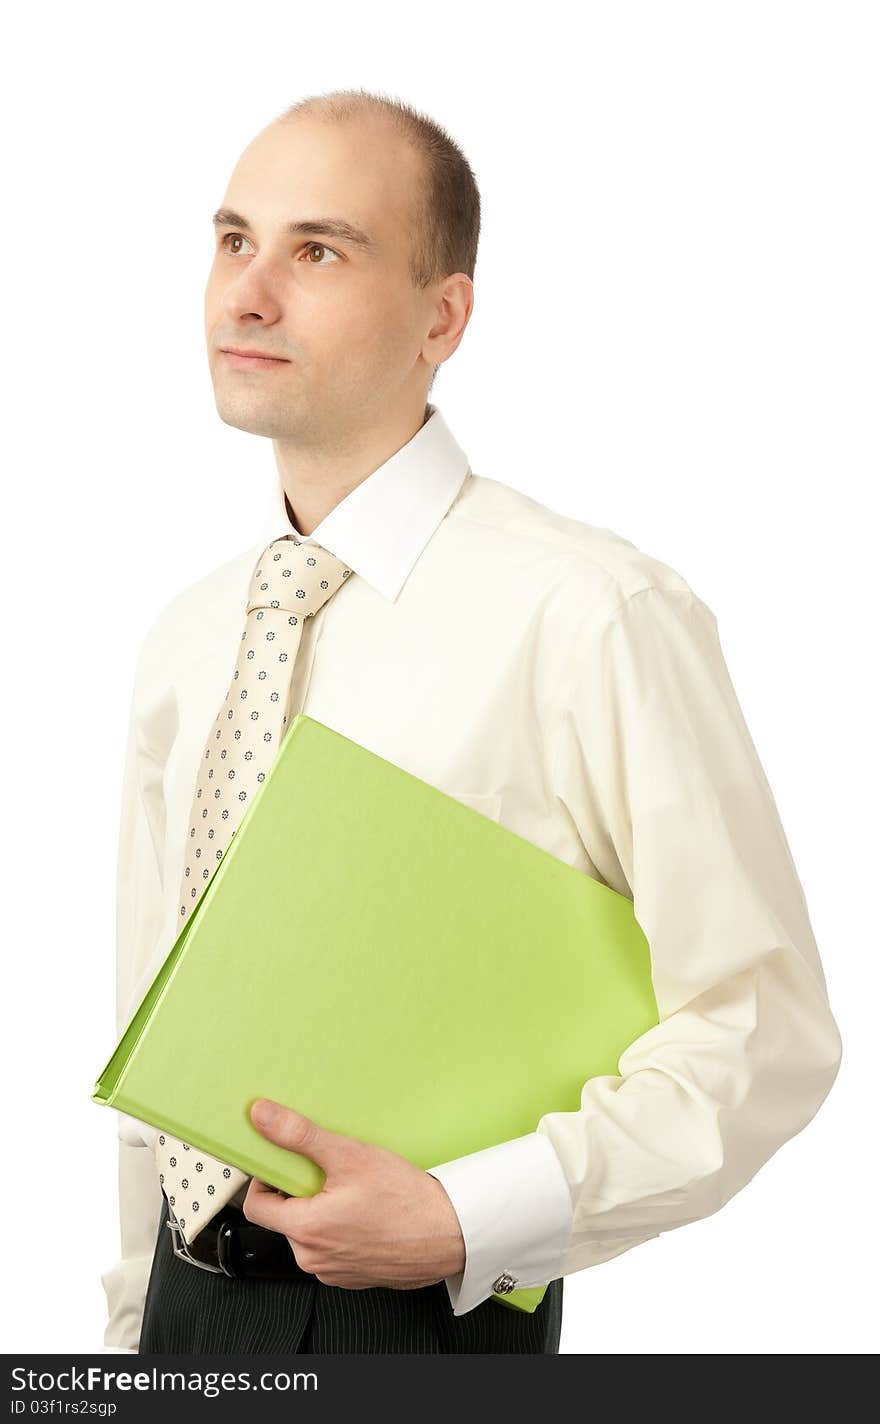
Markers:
point(290, 583)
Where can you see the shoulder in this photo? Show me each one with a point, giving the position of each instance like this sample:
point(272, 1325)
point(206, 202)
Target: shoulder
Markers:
point(183, 624)
point(594, 569)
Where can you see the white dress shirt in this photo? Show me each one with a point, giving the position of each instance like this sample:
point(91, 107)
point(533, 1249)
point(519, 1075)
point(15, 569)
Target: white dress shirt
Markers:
point(552, 676)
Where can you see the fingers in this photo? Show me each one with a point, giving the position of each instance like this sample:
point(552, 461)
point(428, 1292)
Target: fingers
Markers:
point(276, 1210)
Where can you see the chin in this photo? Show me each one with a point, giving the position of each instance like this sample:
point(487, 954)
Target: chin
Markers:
point(252, 418)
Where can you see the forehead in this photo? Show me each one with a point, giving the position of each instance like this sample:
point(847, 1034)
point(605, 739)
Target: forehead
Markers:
point(360, 170)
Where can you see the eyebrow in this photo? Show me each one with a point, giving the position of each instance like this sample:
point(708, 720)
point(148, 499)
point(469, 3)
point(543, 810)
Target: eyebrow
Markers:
point(336, 228)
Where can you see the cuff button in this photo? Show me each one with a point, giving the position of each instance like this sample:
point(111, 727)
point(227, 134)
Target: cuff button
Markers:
point(504, 1284)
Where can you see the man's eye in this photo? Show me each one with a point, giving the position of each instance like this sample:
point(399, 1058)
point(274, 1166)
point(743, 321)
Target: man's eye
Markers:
point(321, 247)
point(312, 247)
point(236, 237)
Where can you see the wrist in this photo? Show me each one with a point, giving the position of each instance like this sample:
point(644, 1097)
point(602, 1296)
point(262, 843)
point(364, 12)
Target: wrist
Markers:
point(450, 1250)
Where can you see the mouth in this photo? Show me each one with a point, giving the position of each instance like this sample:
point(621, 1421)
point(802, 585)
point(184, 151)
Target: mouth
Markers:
point(251, 361)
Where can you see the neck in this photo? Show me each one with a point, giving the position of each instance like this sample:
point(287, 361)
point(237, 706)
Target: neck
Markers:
point(315, 481)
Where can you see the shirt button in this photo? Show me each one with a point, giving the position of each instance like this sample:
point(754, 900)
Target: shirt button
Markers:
point(504, 1284)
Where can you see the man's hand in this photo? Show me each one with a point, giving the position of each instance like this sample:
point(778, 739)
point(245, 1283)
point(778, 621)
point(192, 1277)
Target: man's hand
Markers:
point(378, 1220)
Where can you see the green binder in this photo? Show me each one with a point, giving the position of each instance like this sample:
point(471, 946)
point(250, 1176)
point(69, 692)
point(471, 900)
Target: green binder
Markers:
point(388, 961)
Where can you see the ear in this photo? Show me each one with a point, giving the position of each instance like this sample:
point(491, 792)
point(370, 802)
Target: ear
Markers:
point(450, 314)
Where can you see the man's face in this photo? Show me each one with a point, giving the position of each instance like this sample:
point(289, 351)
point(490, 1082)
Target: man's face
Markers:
point(348, 321)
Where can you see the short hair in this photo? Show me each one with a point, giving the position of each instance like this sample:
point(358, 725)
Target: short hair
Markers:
point(447, 213)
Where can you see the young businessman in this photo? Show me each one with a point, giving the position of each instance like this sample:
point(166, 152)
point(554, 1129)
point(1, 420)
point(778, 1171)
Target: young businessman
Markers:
point(543, 671)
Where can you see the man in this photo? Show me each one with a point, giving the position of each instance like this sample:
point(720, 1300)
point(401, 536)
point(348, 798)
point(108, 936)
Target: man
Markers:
point(546, 673)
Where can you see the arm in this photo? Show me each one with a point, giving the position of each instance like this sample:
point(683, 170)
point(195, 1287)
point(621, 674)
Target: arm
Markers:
point(656, 766)
point(138, 923)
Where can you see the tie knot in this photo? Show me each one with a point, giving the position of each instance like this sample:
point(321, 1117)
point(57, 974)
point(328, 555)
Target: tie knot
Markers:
point(295, 576)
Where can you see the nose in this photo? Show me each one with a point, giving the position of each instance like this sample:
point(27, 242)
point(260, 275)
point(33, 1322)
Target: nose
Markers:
point(253, 293)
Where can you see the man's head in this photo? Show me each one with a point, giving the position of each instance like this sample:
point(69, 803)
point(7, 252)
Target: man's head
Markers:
point(364, 313)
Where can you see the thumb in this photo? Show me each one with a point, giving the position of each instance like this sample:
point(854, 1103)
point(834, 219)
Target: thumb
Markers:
point(293, 1130)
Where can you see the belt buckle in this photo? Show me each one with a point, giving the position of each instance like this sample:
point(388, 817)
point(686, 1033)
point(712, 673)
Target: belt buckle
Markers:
point(181, 1248)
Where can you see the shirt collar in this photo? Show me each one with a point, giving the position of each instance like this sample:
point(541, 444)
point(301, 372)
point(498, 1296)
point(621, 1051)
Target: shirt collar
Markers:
point(382, 526)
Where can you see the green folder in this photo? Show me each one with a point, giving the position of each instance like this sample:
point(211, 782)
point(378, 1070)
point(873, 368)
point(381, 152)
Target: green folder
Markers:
point(389, 961)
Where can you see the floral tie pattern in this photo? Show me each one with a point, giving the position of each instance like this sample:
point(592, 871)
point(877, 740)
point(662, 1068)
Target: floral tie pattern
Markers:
point(291, 582)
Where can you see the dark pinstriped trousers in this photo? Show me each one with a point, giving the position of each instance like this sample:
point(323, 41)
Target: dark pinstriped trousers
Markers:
point(190, 1311)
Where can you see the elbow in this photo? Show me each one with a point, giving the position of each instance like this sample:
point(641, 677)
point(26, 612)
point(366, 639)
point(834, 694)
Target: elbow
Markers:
point(816, 1047)
point(799, 1055)
point(791, 1057)
point(826, 1056)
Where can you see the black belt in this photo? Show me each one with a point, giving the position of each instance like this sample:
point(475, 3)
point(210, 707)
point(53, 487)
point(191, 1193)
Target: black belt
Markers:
point(230, 1245)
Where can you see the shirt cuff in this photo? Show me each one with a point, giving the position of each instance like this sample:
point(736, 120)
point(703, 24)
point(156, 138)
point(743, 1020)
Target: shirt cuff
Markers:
point(514, 1207)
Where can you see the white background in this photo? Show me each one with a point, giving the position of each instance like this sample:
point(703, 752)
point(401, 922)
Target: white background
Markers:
point(674, 335)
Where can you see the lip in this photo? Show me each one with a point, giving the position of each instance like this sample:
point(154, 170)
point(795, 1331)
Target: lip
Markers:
point(251, 360)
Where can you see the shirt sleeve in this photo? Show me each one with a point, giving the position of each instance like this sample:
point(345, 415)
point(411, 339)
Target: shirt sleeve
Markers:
point(656, 767)
point(138, 922)
point(514, 1209)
